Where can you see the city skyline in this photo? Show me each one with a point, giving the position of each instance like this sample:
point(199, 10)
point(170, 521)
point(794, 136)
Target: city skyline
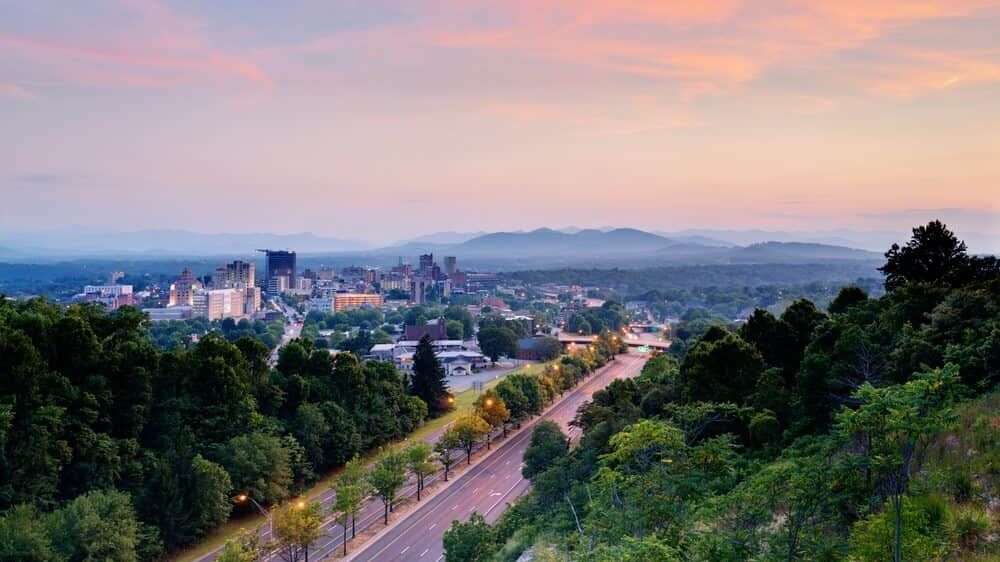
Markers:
point(388, 120)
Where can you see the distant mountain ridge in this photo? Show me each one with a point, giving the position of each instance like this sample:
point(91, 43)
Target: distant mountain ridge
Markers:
point(543, 247)
point(97, 242)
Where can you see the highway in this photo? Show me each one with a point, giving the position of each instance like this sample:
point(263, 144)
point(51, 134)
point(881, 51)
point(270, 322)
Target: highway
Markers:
point(487, 487)
point(562, 411)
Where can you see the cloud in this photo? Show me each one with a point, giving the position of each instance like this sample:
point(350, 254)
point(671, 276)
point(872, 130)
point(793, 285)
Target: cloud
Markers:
point(15, 92)
point(128, 43)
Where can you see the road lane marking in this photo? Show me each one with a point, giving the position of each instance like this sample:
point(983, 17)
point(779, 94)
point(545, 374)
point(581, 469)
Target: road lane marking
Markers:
point(424, 552)
point(432, 526)
point(520, 438)
point(504, 495)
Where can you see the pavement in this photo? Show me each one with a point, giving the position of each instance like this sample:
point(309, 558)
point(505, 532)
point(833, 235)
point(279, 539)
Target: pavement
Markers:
point(488, 487)
point(562, 411)
point(458, 383)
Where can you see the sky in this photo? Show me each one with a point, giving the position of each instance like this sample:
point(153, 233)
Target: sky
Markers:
point(381, 119)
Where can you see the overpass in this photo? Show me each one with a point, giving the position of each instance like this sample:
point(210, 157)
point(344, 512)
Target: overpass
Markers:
point(632, 341)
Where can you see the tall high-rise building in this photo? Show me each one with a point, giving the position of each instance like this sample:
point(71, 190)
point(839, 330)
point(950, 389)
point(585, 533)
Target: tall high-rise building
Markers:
point(241, 274)
point(450, 265)
point(426, 262)
point(183, 289)
point(280, 263)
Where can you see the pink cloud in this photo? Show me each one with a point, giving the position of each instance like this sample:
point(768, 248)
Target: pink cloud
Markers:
point(13, 91)
point(157, 49)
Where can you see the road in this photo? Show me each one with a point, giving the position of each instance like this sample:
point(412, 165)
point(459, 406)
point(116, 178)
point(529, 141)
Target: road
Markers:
point(487, 487)
point(292, 330)
point(371, 514)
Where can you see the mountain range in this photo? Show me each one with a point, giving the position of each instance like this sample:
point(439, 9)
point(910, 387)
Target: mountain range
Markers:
point(544, 247)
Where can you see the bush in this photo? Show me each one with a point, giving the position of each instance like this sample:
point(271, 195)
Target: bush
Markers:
point(971, 526)
point(924, 536)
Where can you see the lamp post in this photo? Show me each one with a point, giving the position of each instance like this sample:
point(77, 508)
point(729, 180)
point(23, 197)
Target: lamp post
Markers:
point(270, 522)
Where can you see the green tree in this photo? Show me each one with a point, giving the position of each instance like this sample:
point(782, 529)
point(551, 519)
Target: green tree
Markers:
point(497, 341)
point(467, 431)
point(23, 536)
point(428, 381)
point(346, 504)
point(96, 526)
point(259, 466)
point(455, 330)
point(725, 370)
point(461, 314)
point(246, 547)
point(894, 426)
point(548, 443)
point(351, 488)
point(548, 348)
point(386, 477)
point(210, 489)
point(472, 541)
point(296, 526)
point(418, 461)
point(442, 451)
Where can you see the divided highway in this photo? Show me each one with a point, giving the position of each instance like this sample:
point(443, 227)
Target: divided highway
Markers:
point(502, 482)
point(487, 487)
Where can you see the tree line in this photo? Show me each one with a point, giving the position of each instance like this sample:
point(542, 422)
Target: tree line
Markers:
point(140, 450)
point(864, 432)
point(514, 399)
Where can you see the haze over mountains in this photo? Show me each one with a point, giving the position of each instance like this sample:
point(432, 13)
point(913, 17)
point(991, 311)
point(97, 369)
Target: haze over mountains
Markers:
point(544, 247)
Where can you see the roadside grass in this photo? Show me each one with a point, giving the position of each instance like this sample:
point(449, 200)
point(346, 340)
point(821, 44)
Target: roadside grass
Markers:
point(463, 403)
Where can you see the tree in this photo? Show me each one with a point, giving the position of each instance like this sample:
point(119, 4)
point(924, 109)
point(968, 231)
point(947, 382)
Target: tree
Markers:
point(933, 255)
point(211, 501)
point(467, 431)
point(96, 526)
point(353, 482)
point(296, 526)
point(455, 330)
point(846, 298)
point(497, 341)
point(428, 381)
point(246, 547)
point(23, 537)
point(548, 443)
point(548, 348)
point(725, 370)
point(442, 451)
point(472, 541)
point(514, 399)
point(462, 315)
point(259, 466)
point(491, 408)
point(386, 477)
point(894, 426)
point(418, 461)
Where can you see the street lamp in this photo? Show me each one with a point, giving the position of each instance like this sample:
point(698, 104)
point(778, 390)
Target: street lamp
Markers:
point(489, 402)
point(270, 522)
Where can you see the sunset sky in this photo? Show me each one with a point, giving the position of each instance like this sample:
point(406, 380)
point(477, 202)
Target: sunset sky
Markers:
point(383, 119)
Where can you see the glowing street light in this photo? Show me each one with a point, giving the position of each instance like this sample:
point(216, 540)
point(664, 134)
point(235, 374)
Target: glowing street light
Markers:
point(270, 522)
